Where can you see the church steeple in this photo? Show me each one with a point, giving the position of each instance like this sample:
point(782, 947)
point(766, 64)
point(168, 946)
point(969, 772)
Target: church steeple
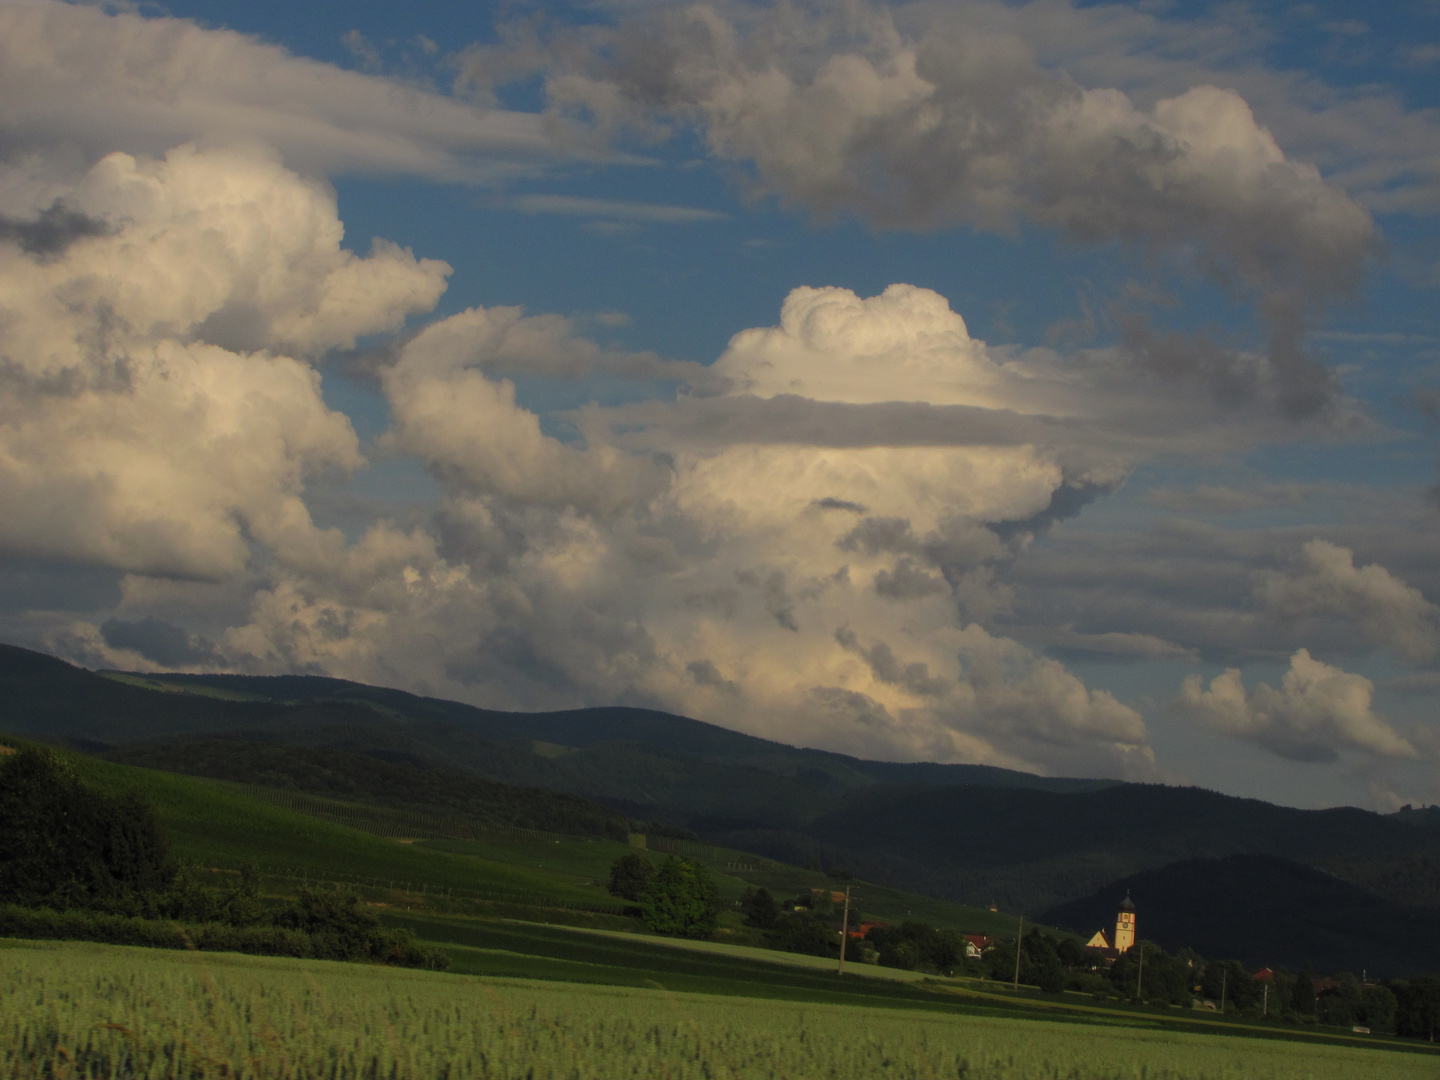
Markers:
point(1125, 924)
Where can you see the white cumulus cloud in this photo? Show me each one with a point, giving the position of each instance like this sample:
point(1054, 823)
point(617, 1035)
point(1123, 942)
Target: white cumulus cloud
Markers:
point(1317, 712)
point(1325, 582)
point(158, 413)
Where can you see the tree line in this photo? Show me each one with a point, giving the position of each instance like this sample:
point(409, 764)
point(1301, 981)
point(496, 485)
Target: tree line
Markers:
point(1146, 973)
point(78, 863)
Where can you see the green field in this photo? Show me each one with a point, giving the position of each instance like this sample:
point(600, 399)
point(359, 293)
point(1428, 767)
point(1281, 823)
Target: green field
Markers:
point(216, 825)
point(219, 825)
point(91, 1011)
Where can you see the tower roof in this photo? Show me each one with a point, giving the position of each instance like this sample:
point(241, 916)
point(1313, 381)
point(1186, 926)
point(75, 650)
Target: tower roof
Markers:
point(1127, 904)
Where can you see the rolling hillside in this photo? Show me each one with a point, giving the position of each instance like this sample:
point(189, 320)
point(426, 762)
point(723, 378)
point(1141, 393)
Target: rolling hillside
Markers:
point(967, 834)
point(647, 764)
point(1032, 850)
point(1262, 910)
point(545, 877)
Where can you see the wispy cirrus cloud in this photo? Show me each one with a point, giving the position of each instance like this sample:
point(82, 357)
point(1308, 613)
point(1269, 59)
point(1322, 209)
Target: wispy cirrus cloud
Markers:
point(76, 80)
point(614, 209)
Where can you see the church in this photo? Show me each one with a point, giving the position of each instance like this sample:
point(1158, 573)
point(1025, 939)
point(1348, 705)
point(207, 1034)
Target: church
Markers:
point(1124, 932)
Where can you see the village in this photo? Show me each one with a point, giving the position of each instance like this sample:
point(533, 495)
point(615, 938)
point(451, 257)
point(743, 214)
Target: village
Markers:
point(1114, 966)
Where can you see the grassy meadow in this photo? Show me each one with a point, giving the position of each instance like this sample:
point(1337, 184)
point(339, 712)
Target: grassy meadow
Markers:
point(72, 1010)
point(219, 825)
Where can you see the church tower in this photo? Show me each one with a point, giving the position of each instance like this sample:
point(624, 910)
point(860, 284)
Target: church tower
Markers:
point(1125, 925)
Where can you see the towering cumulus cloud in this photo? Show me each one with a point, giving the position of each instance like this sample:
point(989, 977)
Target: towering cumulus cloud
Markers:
point(814, 538)
point(157, 413)
point(822, 592)
point(947, 122)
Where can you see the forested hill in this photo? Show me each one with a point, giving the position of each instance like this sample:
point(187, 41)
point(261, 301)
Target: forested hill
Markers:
point(967, 833)
point(1262, 910)
point(1035, 849)
point(647, 765)
point(42, 695)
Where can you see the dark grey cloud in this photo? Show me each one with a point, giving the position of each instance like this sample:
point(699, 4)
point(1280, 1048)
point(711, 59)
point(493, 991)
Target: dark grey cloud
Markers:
point(1065, 502)
point(705, 673)
point(914, 676)
point(907, 582)
point(1181, 589)
point(787, 419)
point(159, 641)
point(28, 585)
point(839, 504)
point(875, 535)
point(55, 228)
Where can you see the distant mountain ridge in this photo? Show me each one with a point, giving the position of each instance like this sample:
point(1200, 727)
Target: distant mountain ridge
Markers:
point(646, 763)
point(659, 730)
point(969, 833)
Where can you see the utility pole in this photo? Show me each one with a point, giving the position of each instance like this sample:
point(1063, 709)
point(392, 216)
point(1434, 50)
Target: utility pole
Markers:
point(1020, 936)
point(1140, 978)
point(1224, 975)
point(1265, 1006)
point(844, 931)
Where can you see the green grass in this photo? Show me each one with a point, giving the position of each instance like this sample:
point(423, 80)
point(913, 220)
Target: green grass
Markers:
point(215, 825)
point(87, 1011)
point(592, 860)
point(144, 682)
point(220, 825)
point(528, 950)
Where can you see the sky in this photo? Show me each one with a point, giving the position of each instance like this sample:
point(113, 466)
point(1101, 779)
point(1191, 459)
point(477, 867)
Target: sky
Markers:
point(1045, 384)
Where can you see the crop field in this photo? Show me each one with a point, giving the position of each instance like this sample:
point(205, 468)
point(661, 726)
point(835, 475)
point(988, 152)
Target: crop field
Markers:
point(88, 1011)
point(527, 950)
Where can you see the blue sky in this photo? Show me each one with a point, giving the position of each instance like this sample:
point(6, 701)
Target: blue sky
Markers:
point(1049, 384)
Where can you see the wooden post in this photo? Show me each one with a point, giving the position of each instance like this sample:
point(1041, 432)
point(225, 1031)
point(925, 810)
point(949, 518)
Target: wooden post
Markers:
point(1020, 936)
point(844, 931)
point(1224, 975)
point(1140, 979)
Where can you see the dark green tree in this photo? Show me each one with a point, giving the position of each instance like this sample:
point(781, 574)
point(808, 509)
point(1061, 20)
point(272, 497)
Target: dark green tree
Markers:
point(918, 947)
point(64, 844)
point(1076, 957)
point(1417, 1012)
point(759, 908)
point(1040, 962)
point(630, 875)
point(1376, 1008)
point(800, 932)
point(1302, 996)
point(680, 900)
point(1161, 978)
point(1229, 980)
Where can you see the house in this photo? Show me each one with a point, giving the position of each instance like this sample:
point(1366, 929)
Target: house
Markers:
point(1264, 975)
point(975, 944)
point(865, 927)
